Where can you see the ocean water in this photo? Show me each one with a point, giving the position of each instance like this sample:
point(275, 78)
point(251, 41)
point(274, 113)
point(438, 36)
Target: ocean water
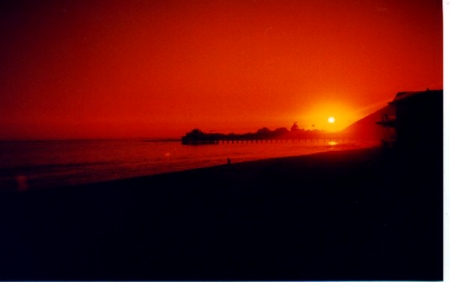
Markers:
point(47, 164)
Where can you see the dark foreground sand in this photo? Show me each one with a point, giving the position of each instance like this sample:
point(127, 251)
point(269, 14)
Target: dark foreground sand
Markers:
point(361, 214)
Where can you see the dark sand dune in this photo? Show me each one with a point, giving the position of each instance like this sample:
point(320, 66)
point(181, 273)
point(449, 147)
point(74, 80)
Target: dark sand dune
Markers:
point(361, 214)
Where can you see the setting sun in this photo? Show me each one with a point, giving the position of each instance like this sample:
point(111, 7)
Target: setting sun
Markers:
point(331, 119)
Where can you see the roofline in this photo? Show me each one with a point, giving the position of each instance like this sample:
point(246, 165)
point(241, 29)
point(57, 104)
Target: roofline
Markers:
point(401, 96)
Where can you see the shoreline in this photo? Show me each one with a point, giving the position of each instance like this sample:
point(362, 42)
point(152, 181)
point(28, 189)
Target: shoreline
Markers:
point(340, 215)
point(245, 163)
point(46, 174)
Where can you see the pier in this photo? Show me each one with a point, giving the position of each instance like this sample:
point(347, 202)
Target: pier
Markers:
point(197, 137)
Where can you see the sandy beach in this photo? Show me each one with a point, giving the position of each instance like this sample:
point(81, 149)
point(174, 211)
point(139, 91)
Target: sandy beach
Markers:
point(363, 214)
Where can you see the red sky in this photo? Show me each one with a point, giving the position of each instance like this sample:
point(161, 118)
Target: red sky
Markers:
point(107, 69)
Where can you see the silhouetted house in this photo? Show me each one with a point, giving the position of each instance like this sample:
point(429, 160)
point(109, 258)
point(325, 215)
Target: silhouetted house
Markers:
point(418, 120)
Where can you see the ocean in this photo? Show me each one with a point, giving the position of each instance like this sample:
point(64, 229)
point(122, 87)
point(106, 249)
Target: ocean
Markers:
point(28, 165)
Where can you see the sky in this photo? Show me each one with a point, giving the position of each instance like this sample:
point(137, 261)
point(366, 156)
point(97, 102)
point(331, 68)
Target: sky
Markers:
point(158, 69)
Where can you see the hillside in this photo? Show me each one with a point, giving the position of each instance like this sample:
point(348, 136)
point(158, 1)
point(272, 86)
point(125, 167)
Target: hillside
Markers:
point(366, 128)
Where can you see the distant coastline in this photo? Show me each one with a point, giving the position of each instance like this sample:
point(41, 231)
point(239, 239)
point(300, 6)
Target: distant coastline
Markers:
point(163, 140)
point(94, 139)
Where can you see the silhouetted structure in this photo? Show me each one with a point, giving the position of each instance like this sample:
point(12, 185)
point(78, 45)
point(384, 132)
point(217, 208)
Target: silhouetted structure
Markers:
point(390, 134)
point(294, 127)
point(418, 122)
point(197, 137)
